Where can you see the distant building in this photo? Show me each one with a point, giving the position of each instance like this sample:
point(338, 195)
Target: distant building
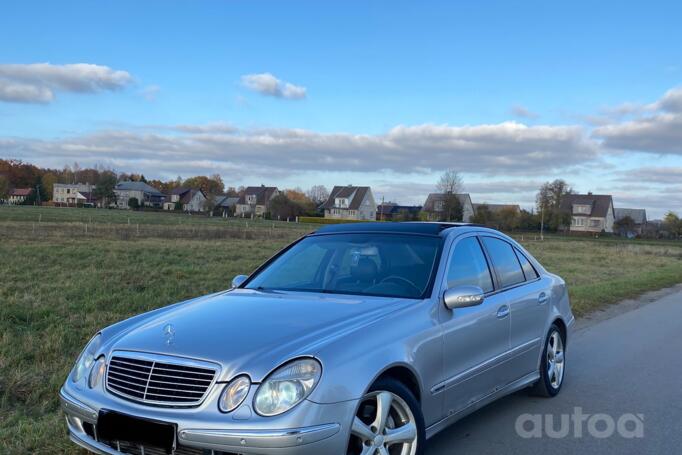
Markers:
point(589, 212)
point(17, 196)
point(639, 218)
point(350, 203)
point(225, 205)
point(435, 206)
point(394, 212)
point(191, 199)
point(146, 195)
point(255, 200)
point(72, 193)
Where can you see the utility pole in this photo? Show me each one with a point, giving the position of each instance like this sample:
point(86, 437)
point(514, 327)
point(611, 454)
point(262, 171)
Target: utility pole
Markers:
point(381, 212)
point(542, 221)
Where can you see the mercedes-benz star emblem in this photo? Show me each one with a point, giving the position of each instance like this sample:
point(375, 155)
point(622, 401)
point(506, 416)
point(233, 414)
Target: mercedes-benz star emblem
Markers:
point(169, 333)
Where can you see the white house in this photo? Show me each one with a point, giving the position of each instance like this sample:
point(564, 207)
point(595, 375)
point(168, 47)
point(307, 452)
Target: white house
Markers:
point(351, 203)
point(589, 212)
point(72, 193)
point(255, 200)
point(17, 196)
point(191, 199)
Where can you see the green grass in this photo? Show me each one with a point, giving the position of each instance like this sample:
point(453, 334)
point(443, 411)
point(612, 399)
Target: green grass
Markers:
point(58, 286)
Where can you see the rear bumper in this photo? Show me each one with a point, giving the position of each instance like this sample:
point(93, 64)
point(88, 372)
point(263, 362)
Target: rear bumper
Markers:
point(328, 438)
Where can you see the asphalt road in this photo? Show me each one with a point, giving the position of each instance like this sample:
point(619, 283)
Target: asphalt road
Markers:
point(623, 366)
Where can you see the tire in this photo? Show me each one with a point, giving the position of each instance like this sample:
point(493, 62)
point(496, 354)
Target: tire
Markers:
point(404, 424)
point(552, 364)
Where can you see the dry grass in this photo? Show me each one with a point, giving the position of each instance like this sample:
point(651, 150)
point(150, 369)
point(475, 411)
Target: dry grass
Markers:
point(60, 285)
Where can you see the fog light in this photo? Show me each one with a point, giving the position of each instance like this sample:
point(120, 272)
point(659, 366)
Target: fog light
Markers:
point(97, 373)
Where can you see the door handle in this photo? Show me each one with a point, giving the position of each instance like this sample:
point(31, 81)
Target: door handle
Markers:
point(503, 312)
point(543, 298)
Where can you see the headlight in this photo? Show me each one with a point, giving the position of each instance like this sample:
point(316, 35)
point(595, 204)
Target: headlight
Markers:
point(234, 394)
point(86, 359)
point(287, 386)
point(97, 373)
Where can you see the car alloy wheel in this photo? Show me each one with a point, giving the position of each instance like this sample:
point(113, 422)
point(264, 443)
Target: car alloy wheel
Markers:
point(555, 359)
point(384, 425)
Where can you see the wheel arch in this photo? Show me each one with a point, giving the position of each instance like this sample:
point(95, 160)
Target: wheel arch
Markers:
point(403, 373)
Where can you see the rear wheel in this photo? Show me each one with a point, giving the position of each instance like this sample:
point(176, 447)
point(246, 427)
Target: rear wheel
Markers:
point(553, 364)
point(389, 421)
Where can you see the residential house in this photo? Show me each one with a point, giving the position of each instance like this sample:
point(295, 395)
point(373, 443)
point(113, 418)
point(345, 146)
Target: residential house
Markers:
point(393, 212)
point(145, 194)
point(637, 215)
point(255, 200)
point(435, 206)
point(350, 203)
point(589, 212)
point(225, 205)
point(496, 208)
point(190, 199)
point(17, 196)
point(73, 193)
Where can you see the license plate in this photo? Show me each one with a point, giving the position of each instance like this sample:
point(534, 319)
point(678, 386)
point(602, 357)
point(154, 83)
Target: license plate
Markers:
point(114, 426)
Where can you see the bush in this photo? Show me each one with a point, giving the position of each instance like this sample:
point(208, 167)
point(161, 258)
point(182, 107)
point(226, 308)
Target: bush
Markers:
point(320, 220)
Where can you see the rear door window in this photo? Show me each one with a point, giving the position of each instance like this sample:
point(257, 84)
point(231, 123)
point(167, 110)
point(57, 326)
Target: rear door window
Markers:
point(527, 267)
point(505, 261)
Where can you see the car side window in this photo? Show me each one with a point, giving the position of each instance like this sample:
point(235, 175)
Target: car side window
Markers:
point(527, 267)
point(505, 261)
point(468, 266)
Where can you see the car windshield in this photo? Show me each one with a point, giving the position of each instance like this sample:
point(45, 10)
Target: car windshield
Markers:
point(389, 265)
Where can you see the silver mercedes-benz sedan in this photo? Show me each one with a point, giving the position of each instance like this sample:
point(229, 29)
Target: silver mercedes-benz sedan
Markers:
point(365, 338)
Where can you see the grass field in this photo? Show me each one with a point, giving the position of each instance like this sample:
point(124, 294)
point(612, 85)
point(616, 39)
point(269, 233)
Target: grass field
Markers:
point(59, 285)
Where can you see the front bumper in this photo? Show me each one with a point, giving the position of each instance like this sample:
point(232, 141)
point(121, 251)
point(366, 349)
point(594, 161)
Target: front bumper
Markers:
point(312, 429)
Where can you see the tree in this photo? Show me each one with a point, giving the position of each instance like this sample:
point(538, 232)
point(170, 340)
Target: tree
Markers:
point(4, 188)
point(508, 218)
point(210, 185)
point(104, 191)
point(673, 224)
point(318, 194)
point(449, 185)
point(483, 215)
point(548, 202)
point(133, 203)
point(210, 203)
point(624, 225)
point(281, 207)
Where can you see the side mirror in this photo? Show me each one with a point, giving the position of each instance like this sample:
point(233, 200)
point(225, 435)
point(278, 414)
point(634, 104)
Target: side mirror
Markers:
point(238, 280)
point(463, 296)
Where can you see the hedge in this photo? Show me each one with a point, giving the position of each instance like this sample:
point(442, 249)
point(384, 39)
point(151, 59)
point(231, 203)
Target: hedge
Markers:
point(320, 220)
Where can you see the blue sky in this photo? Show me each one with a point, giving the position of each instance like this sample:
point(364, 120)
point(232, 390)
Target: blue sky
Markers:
point(380, 93)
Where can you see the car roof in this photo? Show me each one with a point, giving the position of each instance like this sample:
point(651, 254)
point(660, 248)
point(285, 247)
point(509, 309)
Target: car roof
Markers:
point(408, 227)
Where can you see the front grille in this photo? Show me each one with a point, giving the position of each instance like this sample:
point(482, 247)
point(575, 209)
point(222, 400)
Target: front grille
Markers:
point(149, 380)
point(132, 448)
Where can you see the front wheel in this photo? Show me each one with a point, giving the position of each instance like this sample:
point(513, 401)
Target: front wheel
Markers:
point(553, 364)
point(389, 421)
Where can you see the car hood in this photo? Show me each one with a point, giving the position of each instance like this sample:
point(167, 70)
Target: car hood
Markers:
point(252, 332)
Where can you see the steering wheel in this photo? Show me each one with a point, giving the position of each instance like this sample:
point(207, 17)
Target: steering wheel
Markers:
point(400, 279)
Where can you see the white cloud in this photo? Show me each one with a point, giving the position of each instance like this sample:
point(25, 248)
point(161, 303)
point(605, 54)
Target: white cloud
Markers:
point(150, 92)
point(267, 84)
point(655, 128)
point(38, 82)
point(506, 148)
point(523, 112)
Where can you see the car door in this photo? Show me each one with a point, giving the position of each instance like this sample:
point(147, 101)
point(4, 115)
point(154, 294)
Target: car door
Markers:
point(475, 338)
point(527, 296)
